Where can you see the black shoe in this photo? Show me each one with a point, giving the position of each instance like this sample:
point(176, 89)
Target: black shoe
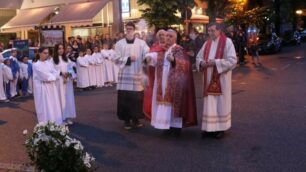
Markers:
point(166, 132)
point(137, 124)
point(176, 132)
point(127, 125)
point(204, 134)
point(219, 134)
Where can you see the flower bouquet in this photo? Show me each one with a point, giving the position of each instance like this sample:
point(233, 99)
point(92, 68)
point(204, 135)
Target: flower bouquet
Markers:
point(50, 149)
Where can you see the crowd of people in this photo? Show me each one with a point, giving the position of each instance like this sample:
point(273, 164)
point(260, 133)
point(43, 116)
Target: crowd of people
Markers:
point(153, 75)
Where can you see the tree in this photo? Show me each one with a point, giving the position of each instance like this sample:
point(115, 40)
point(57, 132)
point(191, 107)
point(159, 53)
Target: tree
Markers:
point(216, 9)
point(242, 14)
point(163, 14)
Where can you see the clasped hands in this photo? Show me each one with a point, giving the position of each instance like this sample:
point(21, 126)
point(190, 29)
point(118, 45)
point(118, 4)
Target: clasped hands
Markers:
point(209, 63)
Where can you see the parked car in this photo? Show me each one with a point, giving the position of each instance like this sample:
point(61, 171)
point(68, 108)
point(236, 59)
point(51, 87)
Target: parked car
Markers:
point(32, 53)
point(269, 43)
point(303, 35)
point(291, 38)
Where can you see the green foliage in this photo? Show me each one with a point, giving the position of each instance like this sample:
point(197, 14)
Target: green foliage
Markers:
point(162, 14)
point(258, 16)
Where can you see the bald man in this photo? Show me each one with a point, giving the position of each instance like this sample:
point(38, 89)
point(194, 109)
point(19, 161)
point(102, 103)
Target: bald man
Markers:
point(173, 100)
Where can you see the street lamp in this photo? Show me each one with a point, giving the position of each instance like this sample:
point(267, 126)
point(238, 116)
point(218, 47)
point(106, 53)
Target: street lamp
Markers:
point(299, 12)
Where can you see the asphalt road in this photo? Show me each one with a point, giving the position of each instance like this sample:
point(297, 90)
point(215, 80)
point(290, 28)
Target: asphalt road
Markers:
point(268, 126)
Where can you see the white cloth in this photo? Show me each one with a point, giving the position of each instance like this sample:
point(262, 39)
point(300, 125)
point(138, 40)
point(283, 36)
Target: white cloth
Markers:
point(47, 102)
point(82, 72)
point(23, 71)
point(92, 70)
point(2, 89)
point(65, 90)
point(108, 65)
point(216, 114)
point(115, 66)
point(99, 67)
point(13, 83)
point(130, 77)
point(162, 114)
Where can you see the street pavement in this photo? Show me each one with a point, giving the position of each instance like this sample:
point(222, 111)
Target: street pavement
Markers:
point(268, 126)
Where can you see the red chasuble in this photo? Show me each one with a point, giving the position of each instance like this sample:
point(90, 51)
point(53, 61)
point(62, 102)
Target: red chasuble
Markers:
point(150, 72)
point(214, 87)
point(179, 91)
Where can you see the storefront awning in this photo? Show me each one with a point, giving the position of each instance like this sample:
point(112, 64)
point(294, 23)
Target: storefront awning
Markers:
point(78, 14)
point(200, 19)
point(27, 19)
point(10, 4)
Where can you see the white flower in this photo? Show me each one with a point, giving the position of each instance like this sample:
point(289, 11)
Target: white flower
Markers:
point(52, 128)
point(87, 159)
point(25, 132)
point(78, 145)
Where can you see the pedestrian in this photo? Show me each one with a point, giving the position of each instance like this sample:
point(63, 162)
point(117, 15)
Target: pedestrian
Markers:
point(253, 47)
point(173, 100)
point(130, 54)
point(189, 47)
point(241, 43)
point(65, 83)
point(216, 60)
point(46, 97)
point(82, 70)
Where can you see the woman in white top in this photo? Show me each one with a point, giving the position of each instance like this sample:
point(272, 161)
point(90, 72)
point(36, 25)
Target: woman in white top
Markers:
point(47, 102)
point(65, 83)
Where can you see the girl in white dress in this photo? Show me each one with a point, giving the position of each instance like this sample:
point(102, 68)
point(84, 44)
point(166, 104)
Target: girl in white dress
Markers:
point(46, 98)
point(65, 83)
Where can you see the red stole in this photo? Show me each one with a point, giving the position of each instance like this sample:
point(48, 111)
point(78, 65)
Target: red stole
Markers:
point(214, 87)
point(150, 72)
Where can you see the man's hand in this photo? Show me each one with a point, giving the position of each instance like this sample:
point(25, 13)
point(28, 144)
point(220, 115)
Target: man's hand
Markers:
point(148, 59)
point(211, 63)
point(170, 58)
point(203, 64)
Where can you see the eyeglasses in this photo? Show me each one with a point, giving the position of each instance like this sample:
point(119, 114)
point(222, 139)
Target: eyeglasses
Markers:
point(129, 28)
point(46, 53)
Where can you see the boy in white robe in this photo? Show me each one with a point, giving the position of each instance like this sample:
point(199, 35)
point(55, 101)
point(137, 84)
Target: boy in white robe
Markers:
point(115, 66)
point(99, 66)
point(108, 65)
point(82, 71)
point(24, 75)
point(5, 74)
point(14, 65)
point(7, 77)
point(91, 69)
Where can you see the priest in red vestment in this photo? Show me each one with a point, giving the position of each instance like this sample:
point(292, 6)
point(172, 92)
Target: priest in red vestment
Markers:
point(159, 46)
point(173, 99)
